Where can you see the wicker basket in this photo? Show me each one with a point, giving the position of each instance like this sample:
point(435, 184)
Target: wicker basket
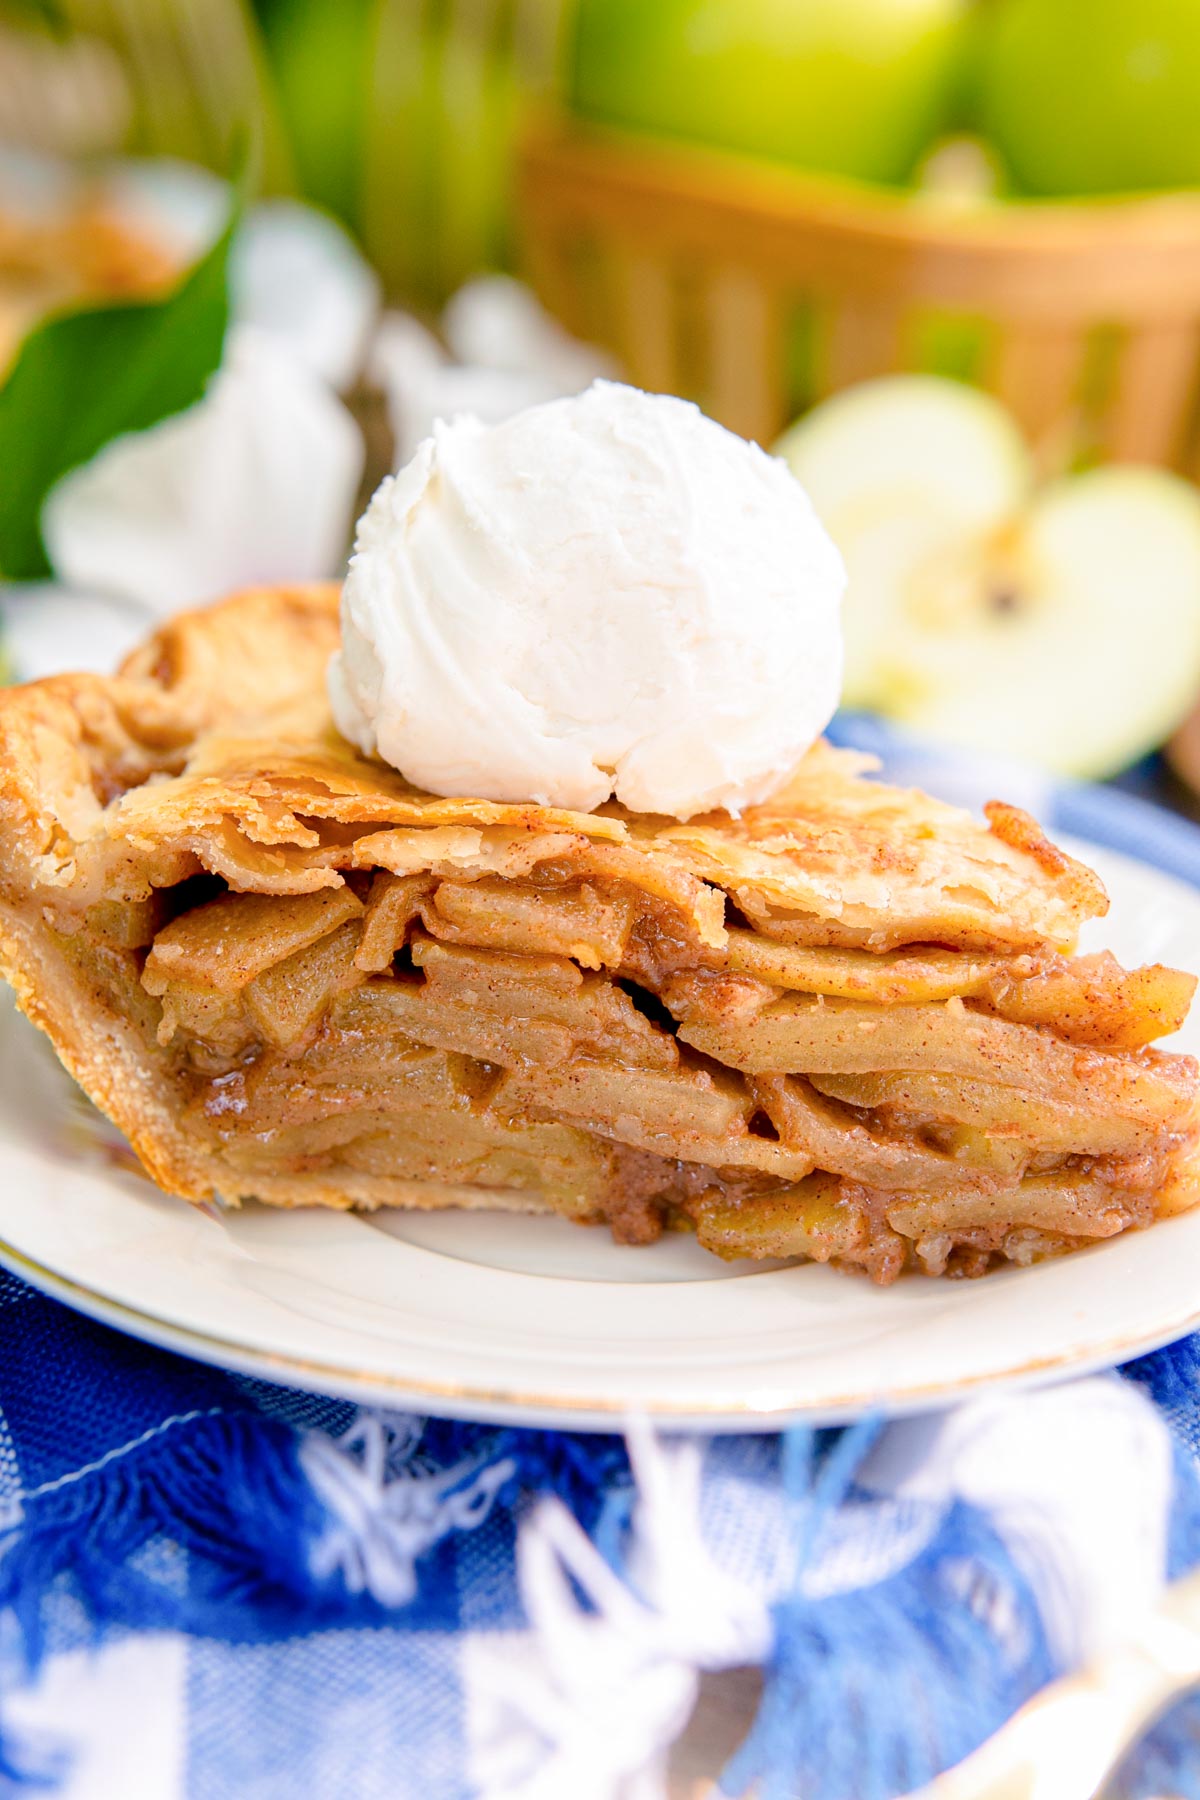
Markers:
point(757, 291)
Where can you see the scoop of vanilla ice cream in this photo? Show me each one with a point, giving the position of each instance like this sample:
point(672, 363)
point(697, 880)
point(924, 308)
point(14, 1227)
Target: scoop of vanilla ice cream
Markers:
point(604, 595)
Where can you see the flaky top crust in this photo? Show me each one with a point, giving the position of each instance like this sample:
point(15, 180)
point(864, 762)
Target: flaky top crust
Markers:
point(213, 749)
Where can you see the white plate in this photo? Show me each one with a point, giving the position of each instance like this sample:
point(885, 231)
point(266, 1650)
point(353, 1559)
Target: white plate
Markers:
point(542, 1322)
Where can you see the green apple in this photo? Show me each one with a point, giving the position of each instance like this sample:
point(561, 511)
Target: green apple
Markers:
point(1057, 622)
point(1092, 96)
point(449, 88)
point(481, 89)
point(319, 54)
point(854, 87)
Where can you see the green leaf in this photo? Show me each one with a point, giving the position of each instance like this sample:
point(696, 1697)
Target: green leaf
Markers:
point(83, 378)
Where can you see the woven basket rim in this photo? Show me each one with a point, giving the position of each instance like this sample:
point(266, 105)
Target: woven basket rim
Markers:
point(1162, 220)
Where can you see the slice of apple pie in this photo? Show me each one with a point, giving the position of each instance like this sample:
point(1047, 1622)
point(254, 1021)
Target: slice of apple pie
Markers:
point(847, 1026)
point(81, 254)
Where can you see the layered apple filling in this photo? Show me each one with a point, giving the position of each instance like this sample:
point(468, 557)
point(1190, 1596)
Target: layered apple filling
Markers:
point(569, 1041)
point(848, 1026)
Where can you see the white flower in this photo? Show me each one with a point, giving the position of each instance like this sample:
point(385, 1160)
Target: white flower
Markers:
point(254, 483)
point(496, 322)
point(506, 353)
point(297, 274)
point(294, 271)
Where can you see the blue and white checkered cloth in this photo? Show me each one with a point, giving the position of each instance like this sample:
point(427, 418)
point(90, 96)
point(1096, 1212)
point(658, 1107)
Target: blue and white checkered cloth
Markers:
point(216, 1589)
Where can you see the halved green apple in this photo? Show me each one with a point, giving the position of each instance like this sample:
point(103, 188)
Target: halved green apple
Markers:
point(1056, 622)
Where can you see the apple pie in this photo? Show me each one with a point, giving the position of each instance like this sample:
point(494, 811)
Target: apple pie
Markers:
point(81, 254)
point(847, 1026)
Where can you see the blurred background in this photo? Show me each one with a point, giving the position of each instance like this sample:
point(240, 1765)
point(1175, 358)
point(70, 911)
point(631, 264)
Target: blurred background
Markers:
point(943, 255)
